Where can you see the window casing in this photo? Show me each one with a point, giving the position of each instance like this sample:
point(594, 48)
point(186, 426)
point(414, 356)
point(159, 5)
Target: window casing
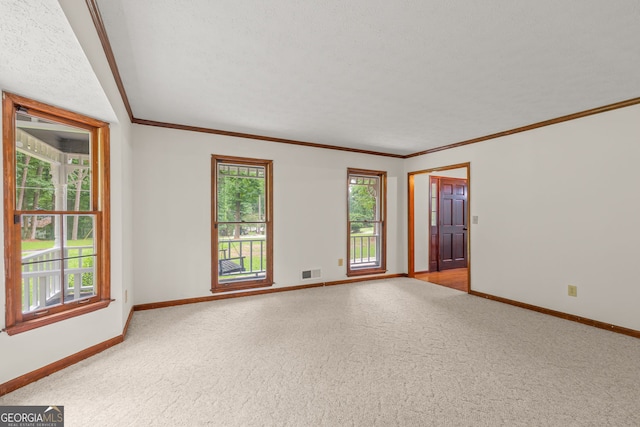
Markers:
point(56, 213)
point(366, 222)
point(242, 223)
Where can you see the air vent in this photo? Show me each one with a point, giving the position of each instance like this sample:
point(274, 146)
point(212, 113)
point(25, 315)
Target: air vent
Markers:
point(311, 274)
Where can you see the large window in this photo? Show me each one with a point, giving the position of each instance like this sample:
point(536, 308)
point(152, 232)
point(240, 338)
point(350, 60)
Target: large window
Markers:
point(242, 223)
point(56, 213)
point(366, 248)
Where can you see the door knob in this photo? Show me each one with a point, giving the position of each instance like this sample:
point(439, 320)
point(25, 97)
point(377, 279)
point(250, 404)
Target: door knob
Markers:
point(464, 229)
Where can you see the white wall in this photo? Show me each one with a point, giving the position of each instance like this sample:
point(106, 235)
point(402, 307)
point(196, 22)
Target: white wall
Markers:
point(557, 205)
point(28, 351)
point(421, 214)
point(172, 211)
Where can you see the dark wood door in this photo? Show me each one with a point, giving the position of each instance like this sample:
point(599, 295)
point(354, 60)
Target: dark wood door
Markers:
point(452, 224)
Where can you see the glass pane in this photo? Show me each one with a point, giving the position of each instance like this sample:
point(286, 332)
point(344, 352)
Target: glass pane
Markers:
point(79, 254)
point(365, 241)
point(78, 187)
point(79, 232)
point(34, 188)
point(242, 251)
point(241, 193)
point(40, 284)
point(434, 211)
point(52, 158)
point(363, 198)
point(79, 275)
point(41, 265)
point(39, 237)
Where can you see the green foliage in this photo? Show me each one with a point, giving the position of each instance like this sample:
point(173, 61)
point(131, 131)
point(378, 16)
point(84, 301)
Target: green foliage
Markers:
point(241, 197)
point(362, 205)
point(38, 193)
point(35, 181)
point(87, 278)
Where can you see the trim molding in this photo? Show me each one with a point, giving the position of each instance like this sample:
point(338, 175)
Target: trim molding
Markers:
point(49, 369)
point(560, 314)
point(58, 365)
point(126, 325)
point(260, 137)
point(111, 59)
point(106, 45)
point(411, 239)
point(163, 304)
point(578, 115)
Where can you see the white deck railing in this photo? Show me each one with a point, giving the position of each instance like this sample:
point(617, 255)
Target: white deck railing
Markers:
point(365, 250)
point(41, 277)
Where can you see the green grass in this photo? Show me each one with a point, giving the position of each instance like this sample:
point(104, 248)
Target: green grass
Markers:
point(250, 263)
point(365, 252)
point(364, 231)
point(38, 245)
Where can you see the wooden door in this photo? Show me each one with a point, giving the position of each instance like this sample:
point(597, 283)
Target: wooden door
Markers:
point(452, 223)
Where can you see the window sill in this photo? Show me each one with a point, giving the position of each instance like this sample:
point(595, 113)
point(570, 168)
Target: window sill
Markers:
point(366, 271)
point(240, 286)
point(57, 317)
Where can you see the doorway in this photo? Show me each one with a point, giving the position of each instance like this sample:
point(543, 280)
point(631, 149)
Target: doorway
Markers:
point(439, 246)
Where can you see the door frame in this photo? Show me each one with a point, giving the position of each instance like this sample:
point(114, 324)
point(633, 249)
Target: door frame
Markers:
point(411, 215)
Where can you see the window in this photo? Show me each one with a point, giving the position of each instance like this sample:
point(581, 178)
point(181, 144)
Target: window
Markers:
point(56, 213)
point(242, 242)
point(366, 248)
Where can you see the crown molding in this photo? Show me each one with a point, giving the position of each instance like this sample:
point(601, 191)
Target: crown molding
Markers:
point(106, 45)
point(261, 137)
point(585, 113)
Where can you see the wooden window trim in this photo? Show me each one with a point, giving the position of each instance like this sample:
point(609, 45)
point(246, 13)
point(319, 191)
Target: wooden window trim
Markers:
point(15, 321)
point(383, 213)
point(216, 286)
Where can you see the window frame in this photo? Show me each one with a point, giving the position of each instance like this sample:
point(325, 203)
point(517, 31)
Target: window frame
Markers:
point(382, 268)
point(15, 320)
point(241, 284)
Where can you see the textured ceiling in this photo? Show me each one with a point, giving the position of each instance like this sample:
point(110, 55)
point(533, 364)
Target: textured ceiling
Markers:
point(393, 76)
point(41, 58)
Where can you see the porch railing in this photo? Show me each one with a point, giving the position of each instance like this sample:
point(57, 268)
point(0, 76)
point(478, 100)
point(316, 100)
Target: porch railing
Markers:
point(42, 284)
point(248, 254)
point(365, 250)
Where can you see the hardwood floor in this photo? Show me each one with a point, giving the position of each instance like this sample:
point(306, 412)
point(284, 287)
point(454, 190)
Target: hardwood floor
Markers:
point(456, 278)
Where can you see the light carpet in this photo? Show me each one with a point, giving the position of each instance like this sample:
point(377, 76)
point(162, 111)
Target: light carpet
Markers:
point(383, 353)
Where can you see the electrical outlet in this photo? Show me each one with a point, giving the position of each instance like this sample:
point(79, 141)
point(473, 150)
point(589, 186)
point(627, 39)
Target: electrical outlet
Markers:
point(573, 291)
point(340, 262)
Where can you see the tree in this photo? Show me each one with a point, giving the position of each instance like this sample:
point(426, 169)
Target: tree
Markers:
point(240, 199)
point(362, 205)
point(25, 173)
point(35, 191)
point(81, 183)
point(36, 201)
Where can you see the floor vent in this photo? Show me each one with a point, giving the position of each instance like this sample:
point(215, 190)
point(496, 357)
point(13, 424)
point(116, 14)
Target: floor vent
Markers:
point(311, 274)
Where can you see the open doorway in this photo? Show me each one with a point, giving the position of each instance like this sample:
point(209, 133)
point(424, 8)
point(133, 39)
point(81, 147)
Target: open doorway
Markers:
point(439, 226)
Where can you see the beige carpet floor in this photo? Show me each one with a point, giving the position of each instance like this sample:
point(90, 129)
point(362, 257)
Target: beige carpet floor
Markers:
point(383, 353)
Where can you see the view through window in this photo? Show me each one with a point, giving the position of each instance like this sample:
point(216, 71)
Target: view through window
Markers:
point(54, 243)
point(366, 221)
point(242, 223)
